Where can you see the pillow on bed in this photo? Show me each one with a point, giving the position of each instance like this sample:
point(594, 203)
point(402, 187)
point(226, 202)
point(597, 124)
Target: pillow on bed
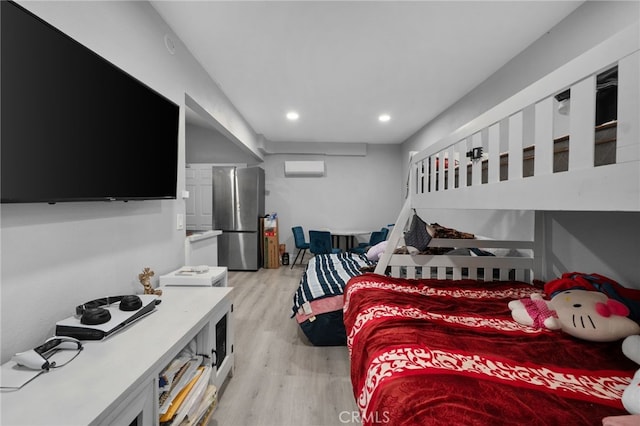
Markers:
point(375, 252)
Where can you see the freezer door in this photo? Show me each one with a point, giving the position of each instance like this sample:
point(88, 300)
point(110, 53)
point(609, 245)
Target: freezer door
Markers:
point(224, 198)
point(250, 196)
point(239, 251)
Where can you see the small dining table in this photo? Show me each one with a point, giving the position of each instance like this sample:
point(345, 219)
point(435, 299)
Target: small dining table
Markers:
point(346, 235)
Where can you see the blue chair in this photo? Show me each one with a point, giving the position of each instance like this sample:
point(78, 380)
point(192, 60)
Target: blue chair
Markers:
point(320, 243)
point(301, 244)
point(376, 237)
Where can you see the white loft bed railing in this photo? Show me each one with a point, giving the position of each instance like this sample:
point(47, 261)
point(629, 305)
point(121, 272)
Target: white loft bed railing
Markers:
point(524, 122)
point(527, 119)
point(485, 268)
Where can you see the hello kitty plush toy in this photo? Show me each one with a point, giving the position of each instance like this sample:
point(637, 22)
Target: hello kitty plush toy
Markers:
point(588, 315)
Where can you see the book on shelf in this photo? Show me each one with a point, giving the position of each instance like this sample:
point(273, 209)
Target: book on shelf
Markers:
point(198, 412)
point(171, 414)
point(204, 419)
point(175, 377)
point(193, 395)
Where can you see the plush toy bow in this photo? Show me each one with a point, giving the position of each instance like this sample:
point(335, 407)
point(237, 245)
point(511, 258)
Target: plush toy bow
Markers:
point(612, 307)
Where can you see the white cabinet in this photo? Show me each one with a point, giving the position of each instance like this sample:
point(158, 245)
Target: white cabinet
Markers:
point(216, 276)
point(201, 248)
point(115, 381)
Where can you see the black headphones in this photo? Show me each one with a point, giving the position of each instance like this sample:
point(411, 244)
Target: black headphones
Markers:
point(91, 313)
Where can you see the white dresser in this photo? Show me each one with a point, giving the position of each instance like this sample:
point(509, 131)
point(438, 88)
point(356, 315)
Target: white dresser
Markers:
point(115, 381)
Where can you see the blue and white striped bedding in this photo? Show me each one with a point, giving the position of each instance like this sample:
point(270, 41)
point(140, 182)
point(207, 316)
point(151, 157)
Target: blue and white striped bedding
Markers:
point(326, 275)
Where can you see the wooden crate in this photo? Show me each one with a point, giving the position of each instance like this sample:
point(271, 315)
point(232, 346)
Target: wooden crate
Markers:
point(271, 244)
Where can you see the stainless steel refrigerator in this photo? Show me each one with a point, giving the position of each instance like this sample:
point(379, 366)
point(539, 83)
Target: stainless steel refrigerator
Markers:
point(238, 205)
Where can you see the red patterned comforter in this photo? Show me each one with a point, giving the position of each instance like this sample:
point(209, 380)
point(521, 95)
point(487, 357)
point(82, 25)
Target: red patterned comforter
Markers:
point(429, 352)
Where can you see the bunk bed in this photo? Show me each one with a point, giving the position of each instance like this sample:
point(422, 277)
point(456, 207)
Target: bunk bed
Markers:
point(431, 337)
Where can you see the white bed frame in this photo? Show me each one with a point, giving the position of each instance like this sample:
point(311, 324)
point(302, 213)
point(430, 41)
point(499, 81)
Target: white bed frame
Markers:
point(520, 121)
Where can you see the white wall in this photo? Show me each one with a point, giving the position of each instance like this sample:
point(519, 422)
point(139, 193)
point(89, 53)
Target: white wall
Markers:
point(55, 257)
point(357, 192)
point(205, 145)
point(607, 243)
point(575, 241)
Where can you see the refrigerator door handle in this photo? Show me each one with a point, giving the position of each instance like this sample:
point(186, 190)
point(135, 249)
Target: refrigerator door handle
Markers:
point(234, 199)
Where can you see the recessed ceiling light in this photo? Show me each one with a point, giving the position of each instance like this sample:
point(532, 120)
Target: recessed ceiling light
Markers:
point(292, 115)
point(384, 118)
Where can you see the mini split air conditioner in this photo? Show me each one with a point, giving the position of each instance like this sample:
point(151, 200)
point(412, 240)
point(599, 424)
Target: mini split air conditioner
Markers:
point(304, 168)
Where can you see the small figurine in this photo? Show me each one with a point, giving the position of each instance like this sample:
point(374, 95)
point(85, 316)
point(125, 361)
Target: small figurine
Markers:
point(145, 280)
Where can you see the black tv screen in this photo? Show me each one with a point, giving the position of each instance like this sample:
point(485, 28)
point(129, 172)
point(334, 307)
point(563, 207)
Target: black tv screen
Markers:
point(74, 127)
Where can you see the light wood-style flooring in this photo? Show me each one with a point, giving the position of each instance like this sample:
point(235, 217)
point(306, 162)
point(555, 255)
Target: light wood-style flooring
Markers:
point(280, 379)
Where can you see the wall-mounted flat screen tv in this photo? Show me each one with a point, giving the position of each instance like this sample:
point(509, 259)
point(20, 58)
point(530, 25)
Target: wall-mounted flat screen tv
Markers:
point(74, 127)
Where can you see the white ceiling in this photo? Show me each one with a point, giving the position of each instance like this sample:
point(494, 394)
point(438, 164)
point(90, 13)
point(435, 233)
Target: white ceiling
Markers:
point(340, 64)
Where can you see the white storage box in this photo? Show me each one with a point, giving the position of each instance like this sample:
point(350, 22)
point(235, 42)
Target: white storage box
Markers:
point(215, 276)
